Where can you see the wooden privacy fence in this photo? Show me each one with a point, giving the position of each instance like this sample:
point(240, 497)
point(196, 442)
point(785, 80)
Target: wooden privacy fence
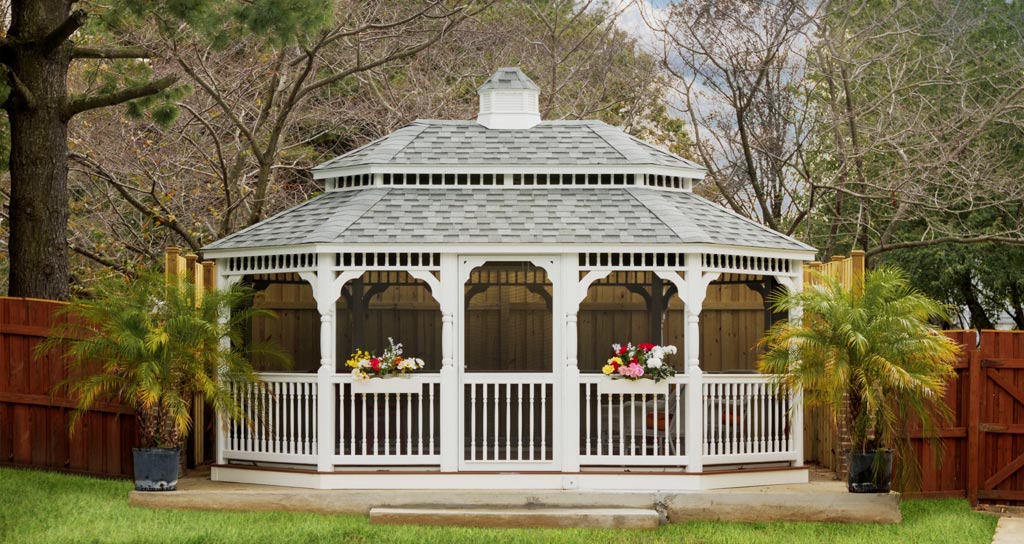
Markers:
point(34, 417)
point(202, 274)
point(984, 444)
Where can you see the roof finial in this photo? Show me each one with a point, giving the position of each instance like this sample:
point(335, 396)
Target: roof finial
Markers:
point(509, 100)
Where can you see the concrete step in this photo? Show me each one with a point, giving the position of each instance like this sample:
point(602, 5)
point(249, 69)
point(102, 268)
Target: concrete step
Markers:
point(599, 518)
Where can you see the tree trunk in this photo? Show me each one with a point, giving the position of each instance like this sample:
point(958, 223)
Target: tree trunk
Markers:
point(979, 317)
point(39, 145)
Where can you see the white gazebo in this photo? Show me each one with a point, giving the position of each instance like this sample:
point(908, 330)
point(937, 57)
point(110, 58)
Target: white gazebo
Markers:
point(481, 244)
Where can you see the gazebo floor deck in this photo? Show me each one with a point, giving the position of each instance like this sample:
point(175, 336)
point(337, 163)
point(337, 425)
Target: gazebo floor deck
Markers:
point(820, 499)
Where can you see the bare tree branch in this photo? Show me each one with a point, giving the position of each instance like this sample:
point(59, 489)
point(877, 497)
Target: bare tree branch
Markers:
point(86, 103)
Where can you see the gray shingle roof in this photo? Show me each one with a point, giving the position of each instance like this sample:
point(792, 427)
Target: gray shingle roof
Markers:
point(509, 77)
point(506, 215)
point(554, 143)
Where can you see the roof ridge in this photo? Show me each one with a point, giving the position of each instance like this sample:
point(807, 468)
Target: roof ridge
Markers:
point(368, 145)
point(254, 225)
point(590, 126)
point(682, 234)
point(412, 139)
point(751, 221)
point(379, 192)
point(653, 147)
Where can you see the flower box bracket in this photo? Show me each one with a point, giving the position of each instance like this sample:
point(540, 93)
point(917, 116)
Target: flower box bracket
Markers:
point(620, 386)
point(395, 384)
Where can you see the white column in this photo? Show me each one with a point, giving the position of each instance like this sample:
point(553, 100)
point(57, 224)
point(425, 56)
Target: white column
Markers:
point(223, 282)
point(795, 284)
point(694, 300)
point(449, 417)
point(568, 291)
point(326, 300)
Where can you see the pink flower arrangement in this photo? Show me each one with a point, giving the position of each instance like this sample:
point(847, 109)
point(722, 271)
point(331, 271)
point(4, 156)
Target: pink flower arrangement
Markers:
point(640, 361)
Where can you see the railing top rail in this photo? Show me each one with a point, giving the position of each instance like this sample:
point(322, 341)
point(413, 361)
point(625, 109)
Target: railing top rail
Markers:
point(739, 378)
point(508, 377)
point(423, 377)
point(296, 377)
point(592, 377)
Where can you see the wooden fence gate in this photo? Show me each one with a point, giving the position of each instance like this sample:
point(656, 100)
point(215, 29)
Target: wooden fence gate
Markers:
point(996, 430)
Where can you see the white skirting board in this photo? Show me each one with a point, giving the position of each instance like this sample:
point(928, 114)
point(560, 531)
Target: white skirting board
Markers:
point(636, 481)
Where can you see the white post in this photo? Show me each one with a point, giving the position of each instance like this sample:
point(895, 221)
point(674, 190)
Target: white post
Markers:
point(568, 290)
point(223, 282)
point(326, 299)
point(694, 300)
point(796, 284)
point(449, 301)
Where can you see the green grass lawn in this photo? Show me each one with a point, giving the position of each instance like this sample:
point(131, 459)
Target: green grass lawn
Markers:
point(40, 507)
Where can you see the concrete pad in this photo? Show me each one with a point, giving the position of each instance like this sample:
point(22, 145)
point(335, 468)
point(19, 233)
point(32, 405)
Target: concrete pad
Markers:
point(814, 501)
point(1009, 531)
point(598, 518)
point(206, 495)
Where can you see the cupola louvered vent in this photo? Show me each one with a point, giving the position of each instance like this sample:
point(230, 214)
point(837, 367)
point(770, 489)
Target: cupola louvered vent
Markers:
point(509, 100)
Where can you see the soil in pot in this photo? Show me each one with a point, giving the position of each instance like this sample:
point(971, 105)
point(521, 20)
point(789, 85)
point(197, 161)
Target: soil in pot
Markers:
point(156, 469)
point(868, 475)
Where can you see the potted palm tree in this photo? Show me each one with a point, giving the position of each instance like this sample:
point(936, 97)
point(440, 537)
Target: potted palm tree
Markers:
point(868, 352)
point(157, 347)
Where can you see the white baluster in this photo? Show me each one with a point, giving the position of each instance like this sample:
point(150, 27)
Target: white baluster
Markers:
point(472, 426)
point(508, 421)
point(519, 423)
point(497, 421)
point(677, 418)
point(430, 402)
point(530, 386)
point(543, 421)
point(483, 420)
point(622, 425)
point(419, 420)
point(363, 399)
point(586, 406)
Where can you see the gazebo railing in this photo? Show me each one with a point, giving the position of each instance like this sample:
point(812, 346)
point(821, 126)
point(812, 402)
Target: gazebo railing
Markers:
point(632, 428)
point(283, 419)
point(388, 428)
point(745, 419)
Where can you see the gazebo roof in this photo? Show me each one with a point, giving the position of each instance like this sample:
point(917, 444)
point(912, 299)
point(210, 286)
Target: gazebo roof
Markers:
point(509, 77)
point(467, 143)
point(567, 215)
point(509, 178)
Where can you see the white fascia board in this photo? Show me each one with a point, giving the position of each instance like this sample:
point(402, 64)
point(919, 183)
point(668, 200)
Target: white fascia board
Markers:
point(513, 249)
point(649, 169)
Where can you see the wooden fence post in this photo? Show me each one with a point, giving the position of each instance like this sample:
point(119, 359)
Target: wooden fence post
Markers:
point(974, 382)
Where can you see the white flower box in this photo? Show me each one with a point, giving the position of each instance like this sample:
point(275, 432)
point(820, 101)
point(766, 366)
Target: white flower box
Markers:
point(394, 384)
point(620, 386)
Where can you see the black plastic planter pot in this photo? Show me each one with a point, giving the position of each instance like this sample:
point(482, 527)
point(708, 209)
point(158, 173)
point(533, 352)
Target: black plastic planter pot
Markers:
point(156, 469)
point(869, 472)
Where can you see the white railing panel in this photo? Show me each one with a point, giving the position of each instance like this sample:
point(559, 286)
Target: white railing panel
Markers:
point(643, 429)
point(508, 417)
point(388, 428)
point(746, 420)
point(283, 420)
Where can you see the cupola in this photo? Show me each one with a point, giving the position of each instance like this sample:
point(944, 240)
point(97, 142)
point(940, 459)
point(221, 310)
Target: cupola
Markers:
point(509, 100)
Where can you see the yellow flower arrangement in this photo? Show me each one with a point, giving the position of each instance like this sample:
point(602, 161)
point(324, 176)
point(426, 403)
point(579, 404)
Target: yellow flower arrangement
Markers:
point(355, 358)
point(608, 369)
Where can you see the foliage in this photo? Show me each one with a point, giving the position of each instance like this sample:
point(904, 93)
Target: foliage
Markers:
point(79, 509)
point(868, 346)
point(141, 186)
point(984, 279)
point(919, 113)
point(155, 347)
